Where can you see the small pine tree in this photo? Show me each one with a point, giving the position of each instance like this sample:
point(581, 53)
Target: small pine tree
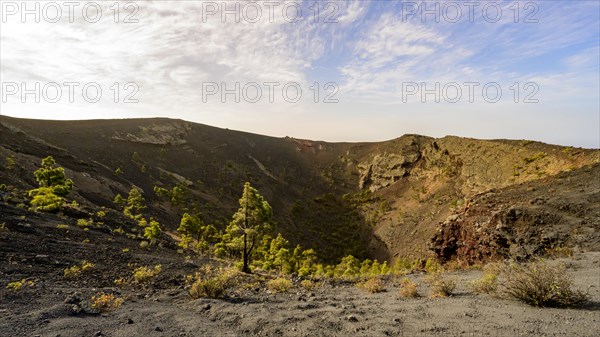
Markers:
point(365, 268)
point(349, 267)
point(54, 186)
point(43, 199)
point(249, 223)
point(53, 177)
point(309, 256)
point(119, 200)
point(296, 258)
point(190, 227)
point(384, 268)
point(375, 268)
point(152, 231)
point(135, 204)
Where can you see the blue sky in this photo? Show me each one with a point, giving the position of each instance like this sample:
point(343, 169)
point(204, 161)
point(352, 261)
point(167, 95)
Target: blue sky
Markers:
point(372, 55)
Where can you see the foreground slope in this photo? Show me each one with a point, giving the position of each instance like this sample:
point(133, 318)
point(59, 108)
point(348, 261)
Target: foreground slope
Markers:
point(54, 305)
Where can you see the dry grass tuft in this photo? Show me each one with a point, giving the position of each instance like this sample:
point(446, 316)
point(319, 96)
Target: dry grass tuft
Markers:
point(372, 285)
point(213, 283)
point(559, 251)
point(540, 284)
point(488, 283)
point(279, 285)
point(440, 286)
point(106, 302)
point(144, 274)
point(308, 285)
point(408, 289)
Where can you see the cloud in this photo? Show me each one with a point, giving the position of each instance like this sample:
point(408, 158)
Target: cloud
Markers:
point(370, 52)
point(352, 12)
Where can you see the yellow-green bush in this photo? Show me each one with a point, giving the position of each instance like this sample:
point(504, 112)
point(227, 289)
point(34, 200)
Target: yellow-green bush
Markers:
point(279, 285)
point(403, 266)
point(432, 266)
point(77, 270)
point(19, 285)
point(44, 200)
point(84, 222)
point(144, 274)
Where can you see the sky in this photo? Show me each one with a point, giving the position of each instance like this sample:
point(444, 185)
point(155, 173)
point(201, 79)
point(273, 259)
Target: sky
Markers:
point(326, 70)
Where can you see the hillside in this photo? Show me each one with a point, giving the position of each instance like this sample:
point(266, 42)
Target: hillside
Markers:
point(378, 200)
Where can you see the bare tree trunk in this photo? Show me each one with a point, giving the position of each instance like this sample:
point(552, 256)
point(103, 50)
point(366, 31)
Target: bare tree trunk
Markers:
point(245, 268)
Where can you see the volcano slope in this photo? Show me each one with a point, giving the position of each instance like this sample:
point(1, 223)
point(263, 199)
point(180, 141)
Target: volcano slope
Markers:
point(377, 200)
point(408, 197)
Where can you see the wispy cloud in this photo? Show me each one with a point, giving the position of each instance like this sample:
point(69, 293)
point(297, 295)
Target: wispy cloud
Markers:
point(370, 49)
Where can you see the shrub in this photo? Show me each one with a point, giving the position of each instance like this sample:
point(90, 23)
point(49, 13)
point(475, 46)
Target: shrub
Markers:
point(403, 266)
point(348, 268)
point(44, 200)
point(535, 157)
point(76, 270)
point(119, 200)
point(3, 227)
point(72, 271)
point(540, 284)
point(19, 285)
point(153, 231)
point(408, 289)
point(279, 285)
point(559, 251)
point(62, 226)
point(372, 285)
point(307, 284)
point(440, 287)
point(10, 162)
point(432, 266)
point(212, 283)
point(106, 302)
point(120, 281)
point(84, 222)
point(144, 274)
point(85, 266)
point(456, 265)
point(488, 283)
